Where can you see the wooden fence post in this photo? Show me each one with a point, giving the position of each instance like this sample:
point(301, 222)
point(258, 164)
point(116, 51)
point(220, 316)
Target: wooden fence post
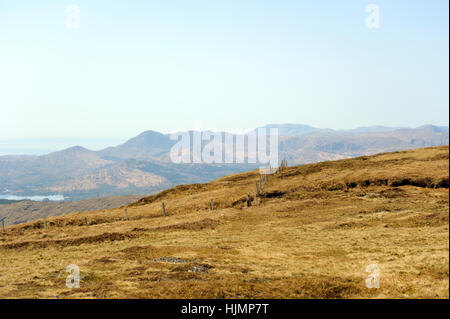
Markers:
point(85, 221)
point(164, 209)
point(126, 214)
point(256, 188)
point(45, 223)
point(3, 223)
point(249, 201)
point(212, 204)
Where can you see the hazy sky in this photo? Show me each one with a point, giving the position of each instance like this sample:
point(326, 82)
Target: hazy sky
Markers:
point(162, 65)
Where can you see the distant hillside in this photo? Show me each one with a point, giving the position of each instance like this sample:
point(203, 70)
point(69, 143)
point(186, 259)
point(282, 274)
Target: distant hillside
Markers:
point(296, 129)
point(374, 129)
point(22, 211)
point(316, 147)
point(142, 164)
point(147, 145)
point(301, 143)
point(40, 171)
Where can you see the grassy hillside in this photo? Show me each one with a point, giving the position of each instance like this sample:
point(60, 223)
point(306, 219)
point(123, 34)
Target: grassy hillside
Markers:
point(311, 234)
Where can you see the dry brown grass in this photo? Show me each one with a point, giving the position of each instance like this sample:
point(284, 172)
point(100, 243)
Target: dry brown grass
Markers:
point(314, 232)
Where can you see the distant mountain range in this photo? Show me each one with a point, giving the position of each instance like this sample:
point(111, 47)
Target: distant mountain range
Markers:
point(142, 164)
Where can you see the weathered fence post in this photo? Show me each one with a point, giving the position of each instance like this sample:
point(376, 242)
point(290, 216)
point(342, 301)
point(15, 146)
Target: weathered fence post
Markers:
point(45, 223)
point(283, 165)
point(164, 209)
point(256, 188)
point(249, 201)
point(85, 221)
point(3, 223)
point(212, 204)
point(126, 214)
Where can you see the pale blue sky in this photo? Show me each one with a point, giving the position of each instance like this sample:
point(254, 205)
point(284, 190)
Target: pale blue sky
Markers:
point(161, 65)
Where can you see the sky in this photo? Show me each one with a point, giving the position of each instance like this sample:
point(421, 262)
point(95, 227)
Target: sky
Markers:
point(125, 67)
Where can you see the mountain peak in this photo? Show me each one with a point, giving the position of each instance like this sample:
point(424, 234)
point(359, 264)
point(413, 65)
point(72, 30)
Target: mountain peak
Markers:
point(77, 148)
point(150, 133)
point(73, 150)
point(148, 144)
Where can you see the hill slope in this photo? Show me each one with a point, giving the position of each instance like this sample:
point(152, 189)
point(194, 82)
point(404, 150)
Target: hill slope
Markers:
point(147, 145)
point(142, 164)
point(311, 234)
point(16, 212)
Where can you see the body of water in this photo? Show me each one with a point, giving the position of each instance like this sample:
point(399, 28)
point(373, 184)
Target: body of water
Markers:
point(55, 198)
